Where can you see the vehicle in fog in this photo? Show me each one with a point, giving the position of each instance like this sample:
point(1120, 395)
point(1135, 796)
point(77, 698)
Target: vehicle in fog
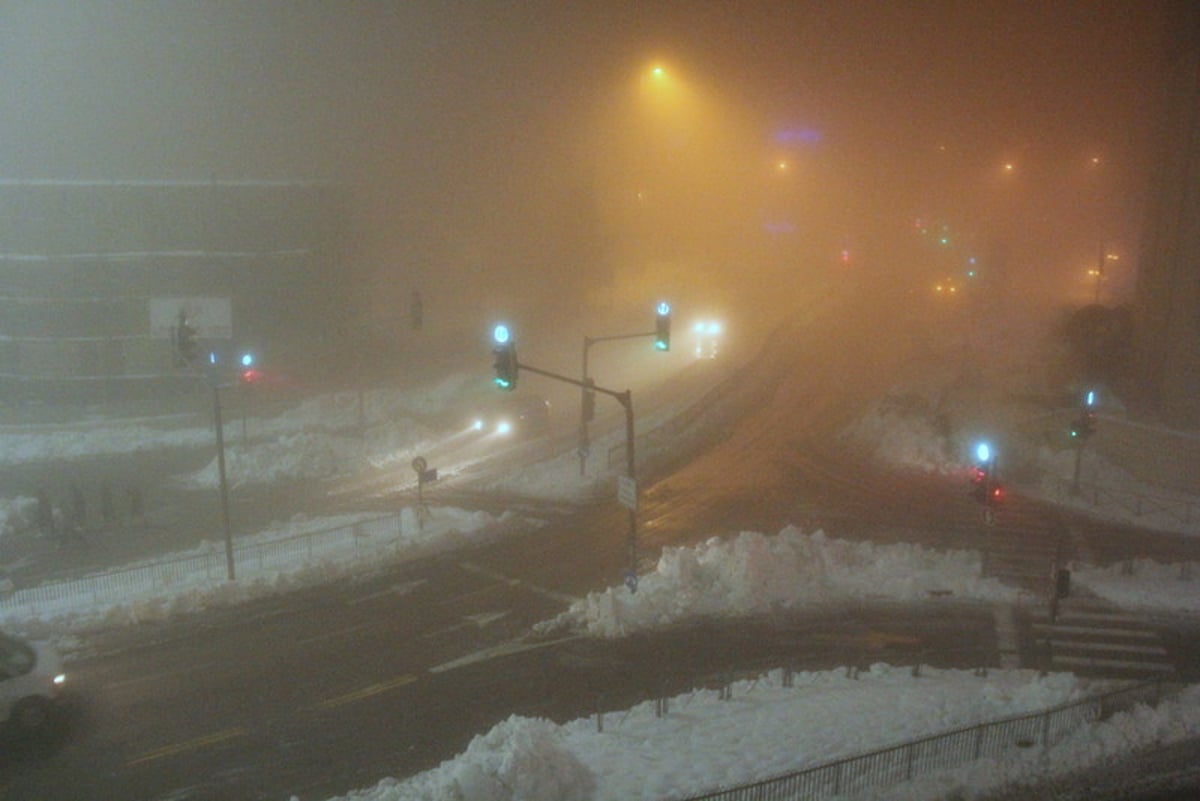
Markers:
point(521, 415)
point(31, 684)
point(708, 338)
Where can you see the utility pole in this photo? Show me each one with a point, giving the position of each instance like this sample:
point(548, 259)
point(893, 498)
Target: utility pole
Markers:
point(213, 380)
point(508, 368)
point(662, 341)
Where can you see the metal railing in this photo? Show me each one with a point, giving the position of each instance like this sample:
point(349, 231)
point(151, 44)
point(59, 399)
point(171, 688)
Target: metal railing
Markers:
point(906, 761)
point(370, 539)
point(1185, 511)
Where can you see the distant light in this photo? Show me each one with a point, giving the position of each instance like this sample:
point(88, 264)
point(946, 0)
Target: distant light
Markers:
point(713, 329)
point(500, 334)
point(504, 427)
point(1090, 400)
point(983, 452)
point(212, 357)
point(781, 166)
point(247, 360)
point(477, 425)
point(1009, 167)
point(663, 307)
point(798, 136)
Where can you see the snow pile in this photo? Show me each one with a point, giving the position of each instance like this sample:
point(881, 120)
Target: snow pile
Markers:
point(16, 515)
point(704, 742)
point(905, 429)
point(68, 444)
point(1125, 733)
point(753, 573)
point(286, 556)
point(1145, 584)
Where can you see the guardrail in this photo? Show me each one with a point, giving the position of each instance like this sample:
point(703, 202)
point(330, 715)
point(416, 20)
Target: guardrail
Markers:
point(903, 762)
point(1137, 504)
point(370, 538)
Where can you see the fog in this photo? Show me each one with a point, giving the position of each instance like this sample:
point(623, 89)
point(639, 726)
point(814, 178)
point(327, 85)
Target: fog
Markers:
point(525, 160)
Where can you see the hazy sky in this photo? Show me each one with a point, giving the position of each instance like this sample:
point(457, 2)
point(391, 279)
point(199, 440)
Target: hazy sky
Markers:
point(484, 127)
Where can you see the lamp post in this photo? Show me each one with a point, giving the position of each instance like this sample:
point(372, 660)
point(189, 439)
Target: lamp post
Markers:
point(215, 383)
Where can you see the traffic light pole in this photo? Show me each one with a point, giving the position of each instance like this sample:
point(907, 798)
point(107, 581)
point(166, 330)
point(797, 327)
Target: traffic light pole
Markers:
point(224, 484)
point(588, 386)
point(626, 400)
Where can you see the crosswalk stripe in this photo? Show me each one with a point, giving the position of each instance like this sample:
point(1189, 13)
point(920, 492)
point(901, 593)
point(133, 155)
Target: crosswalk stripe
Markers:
point(1084, 661)
point(1098, 632)
point(1079, 645)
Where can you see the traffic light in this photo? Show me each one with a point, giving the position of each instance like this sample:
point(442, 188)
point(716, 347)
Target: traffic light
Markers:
point(985, 488)
point(248, 374)
point(1083, 426)
point(187, 349)
point(662, 326)
point(506, 359)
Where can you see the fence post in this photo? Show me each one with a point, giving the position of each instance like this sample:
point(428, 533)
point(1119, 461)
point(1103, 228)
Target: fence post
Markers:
point(978, 741)
point(1045, 730)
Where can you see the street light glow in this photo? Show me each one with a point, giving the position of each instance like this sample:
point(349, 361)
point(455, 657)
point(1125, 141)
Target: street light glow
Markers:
point(500, 333)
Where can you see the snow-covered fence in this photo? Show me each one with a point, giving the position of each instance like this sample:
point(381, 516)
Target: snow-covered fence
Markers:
point(889, 766)
point(1131, 503)
point(364, 539)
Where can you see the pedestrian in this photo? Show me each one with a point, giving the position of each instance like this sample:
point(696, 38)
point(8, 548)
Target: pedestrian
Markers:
point(78, 508)
point(107, 510)
point(45, 514)
point(136, 511)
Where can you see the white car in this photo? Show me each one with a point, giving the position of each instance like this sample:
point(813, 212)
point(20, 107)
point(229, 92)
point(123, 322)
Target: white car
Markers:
point(31, 683)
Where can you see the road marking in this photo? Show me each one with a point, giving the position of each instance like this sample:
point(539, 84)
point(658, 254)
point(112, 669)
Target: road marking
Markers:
point(189, 745)
point(1107, 617)
point(367, 692)
point(514, 582)
point(1135, 633)
point(1080, 645)
point(503, 649)
point(1006, 636)
point(329, 635)
point(478, 621)
point(1084, 661)
point(395, 589)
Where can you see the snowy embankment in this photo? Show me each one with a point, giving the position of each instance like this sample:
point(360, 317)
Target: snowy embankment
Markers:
point(767, 728)
point(753, 574)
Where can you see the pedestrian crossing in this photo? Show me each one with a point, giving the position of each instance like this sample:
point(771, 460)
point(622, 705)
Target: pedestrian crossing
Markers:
point(1090, 638)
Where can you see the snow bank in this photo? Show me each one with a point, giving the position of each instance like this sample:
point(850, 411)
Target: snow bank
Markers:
point(1145, 584)
point(705, 742)
point(753, 573)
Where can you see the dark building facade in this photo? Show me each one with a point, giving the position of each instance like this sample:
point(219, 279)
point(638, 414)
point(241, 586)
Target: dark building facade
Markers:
point(1167, 306)
point(88, 269)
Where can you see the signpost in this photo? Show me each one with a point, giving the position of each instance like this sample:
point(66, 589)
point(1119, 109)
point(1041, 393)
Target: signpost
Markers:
point(424, 474)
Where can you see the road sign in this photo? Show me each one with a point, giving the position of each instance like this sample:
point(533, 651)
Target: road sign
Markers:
point(419, 464)
point(425, 476)
point(627, 492)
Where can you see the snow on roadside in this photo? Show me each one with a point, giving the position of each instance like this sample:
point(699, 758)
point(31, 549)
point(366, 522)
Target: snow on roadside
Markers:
point(753, 573)
point(286, 556)
point(704, 742)
point(1144, 584)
